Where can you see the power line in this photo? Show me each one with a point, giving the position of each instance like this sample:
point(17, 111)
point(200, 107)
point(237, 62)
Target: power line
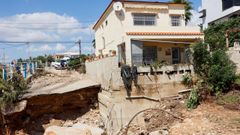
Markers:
point(43, 42)
point(46, 28)
point(85, 22)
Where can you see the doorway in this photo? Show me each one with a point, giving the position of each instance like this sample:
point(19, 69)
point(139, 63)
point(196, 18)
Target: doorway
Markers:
point(176, 55)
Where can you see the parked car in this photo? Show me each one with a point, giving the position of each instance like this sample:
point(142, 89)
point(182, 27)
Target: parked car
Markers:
point(61, 64)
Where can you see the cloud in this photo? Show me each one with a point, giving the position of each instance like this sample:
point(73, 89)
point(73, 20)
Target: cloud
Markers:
point(74, 49)
point(45, 48)
point(195, 20)
point(60, 47)
point(42, 26)
point(88, 49)
point(42, 48)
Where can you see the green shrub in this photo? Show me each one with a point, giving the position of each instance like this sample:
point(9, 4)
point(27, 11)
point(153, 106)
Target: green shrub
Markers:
point(157, 64)
point(11, 90)
point(237, 81)
point(215, 34)
point(8, 98)
point(201, 58)
point(187, 80)
point(222, 72)
point(215, 68)
point(193, 99)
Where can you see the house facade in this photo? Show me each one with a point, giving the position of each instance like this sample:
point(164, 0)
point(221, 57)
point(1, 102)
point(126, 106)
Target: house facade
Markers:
point(143, 32)
point(140, 33)
point(214, 11)
point(60, 56)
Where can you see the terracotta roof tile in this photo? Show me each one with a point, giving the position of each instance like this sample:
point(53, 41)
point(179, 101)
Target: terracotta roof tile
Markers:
point(164, 33)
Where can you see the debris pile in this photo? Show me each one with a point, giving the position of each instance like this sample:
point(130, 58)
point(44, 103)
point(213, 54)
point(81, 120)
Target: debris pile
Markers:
point(155, 120)
point(69, 122)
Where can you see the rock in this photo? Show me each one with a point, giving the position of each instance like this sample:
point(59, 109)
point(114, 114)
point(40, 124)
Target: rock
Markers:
point(53, 122)
point(16, 108)
point(68, 123)
point(160, 132)
point(55, 130)
point(94, 130)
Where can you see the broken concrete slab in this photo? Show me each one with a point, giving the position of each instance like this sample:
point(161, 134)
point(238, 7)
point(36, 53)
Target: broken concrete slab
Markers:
point(61, 88)
point(77, 129)
point(94, 130)
point(55, 130)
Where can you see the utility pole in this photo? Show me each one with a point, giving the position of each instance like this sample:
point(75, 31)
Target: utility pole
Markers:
point(28, 46)
point(80, 49)
point(4, 56)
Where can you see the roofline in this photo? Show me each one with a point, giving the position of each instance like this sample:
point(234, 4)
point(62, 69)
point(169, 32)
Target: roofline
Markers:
point(162, 33)
point(130, 1)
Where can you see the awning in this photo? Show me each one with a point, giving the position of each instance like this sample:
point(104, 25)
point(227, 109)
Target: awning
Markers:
point(163, 41)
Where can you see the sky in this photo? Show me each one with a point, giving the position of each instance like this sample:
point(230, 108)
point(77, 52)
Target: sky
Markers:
point(52, 20)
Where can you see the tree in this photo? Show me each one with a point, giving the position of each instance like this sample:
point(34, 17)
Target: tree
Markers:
point(50, 58)
point(41, 58)
point(215, 34)
point(188, 8)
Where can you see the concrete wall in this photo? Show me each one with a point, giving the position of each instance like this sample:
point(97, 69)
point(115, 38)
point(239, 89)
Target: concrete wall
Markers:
point(115, 103)
point(234, 55)
point(106, 72)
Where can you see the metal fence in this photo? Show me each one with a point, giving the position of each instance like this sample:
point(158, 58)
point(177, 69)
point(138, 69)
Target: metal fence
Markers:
point(27, 69)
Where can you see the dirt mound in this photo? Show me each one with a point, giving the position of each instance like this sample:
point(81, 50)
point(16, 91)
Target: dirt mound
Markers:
point(208, 118)
point(155, 119)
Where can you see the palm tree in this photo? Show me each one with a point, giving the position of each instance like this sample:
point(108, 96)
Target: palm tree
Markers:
point(188, 8)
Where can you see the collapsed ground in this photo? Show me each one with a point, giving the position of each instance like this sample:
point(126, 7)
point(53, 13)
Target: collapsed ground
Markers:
point(209, 118)
point(214, 116)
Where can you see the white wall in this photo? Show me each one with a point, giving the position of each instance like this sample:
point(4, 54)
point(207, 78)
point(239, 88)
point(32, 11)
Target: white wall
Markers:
point(214, 11)
point(115, 31)
point(235, 56)
point(106, 72)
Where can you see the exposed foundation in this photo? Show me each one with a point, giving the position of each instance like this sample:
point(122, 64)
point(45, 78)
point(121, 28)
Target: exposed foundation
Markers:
point(118, 105)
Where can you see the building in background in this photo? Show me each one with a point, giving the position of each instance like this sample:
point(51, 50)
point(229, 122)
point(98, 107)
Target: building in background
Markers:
point(214, 11)
point(60, 56)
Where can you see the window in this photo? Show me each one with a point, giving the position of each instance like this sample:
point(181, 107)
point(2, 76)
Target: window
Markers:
point(144, 19)
point(176, 20)
point(236, 2)
point(106, 23)
point(149, 54)
point(226, 4)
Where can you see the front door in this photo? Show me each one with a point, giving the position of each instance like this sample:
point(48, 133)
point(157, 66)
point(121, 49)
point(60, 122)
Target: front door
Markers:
point(175, 55)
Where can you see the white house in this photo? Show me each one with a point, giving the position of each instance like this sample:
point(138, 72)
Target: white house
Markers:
point(66, 54)
point(142, 32)
point(214, 11)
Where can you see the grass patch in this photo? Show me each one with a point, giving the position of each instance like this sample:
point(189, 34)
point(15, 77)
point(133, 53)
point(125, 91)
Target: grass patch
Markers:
point(232, 98)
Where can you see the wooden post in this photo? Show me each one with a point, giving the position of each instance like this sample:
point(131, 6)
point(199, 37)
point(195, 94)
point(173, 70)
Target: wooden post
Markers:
point(227, 41)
